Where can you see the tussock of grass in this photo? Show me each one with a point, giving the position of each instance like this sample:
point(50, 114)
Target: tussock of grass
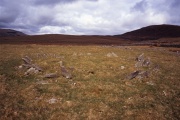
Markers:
point(99, 88)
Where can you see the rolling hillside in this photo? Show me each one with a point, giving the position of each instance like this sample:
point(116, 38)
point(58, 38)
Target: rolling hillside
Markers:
point(10, 33)
point(161, 35)
point(153, 32)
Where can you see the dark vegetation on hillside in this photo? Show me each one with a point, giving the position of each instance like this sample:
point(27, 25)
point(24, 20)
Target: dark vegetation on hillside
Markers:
point(152, 33)
point(155, 35)
point(10, 33)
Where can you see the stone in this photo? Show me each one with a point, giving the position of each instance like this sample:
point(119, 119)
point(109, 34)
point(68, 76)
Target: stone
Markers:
point(51, 75)
point(144, 74)
point(133, 75)
point(65, 73)
point(112, 54)
point(52, 100)
point(122, 67)
point(37, 67)
point(140, 57)
point(150, 83)
point(27, 60)
point(146, 62)
point(43, 82)
point(138, 64)
point(30, 71)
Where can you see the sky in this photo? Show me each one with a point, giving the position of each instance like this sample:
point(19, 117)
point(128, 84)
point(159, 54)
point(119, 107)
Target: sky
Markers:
point(86, 17)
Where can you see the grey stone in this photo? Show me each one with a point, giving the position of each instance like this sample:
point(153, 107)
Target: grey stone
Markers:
point(65, 73)
point(31, 71)
point(140, 57)
point(133, 75)
point(144, 74)
point(146, 62)
point(27, 60)
point(51, 75)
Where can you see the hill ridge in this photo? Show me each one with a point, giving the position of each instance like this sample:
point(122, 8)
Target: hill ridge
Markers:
point(10, 33)
point(152, 32)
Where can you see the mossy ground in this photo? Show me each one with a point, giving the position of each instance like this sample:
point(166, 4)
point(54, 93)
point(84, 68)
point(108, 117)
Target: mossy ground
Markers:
point(99, 88)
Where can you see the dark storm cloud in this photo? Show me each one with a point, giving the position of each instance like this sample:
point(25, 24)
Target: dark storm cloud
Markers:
point(86, 16)
point(8, 12)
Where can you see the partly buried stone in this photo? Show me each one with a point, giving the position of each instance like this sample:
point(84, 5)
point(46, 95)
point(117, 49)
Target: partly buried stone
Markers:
point(27, 60)
point(146, 62)
point(140, 57)
point(133, 75)
point(37, 67)
point(144, 74)
point(139, 64)
point(66, 73)
point(31, 71)
point(51, 75)
point(122, 67)
point(112, 54)
point(52, 101)
point(32, 68)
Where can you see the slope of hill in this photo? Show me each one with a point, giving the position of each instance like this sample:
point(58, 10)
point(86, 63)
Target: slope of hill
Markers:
point(63, 40)
point(10, 33)
point(152, 32)
point(158, 35)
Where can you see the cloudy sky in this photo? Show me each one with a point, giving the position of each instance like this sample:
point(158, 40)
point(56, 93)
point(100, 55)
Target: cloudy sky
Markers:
point(87, 17)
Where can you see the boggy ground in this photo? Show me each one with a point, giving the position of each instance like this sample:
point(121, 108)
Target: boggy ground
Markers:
point(99, 88)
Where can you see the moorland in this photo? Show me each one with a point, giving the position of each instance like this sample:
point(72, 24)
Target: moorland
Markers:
point(66, 77)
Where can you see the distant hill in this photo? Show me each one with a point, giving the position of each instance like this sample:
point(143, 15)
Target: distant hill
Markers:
point(10, 33)
point(155, 35)
point(152, 33)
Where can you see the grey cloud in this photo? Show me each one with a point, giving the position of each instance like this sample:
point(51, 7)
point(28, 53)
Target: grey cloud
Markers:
point(173, 13)
point(140, 6)
point(51, 2)
point(86, 16)
point(175, 3)
point(10, 10)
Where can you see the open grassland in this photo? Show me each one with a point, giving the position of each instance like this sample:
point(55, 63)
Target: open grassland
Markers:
point(99, 88)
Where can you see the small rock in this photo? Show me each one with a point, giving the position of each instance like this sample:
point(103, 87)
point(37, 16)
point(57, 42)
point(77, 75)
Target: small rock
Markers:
point(133, 75)
point(51, 75)
point(122, 67)
point(20, 67)
point(150, 83)
point(112, 54)
point(42, 82)
point(30, 71)
point(52, 100)
point(37, 67)
point(27, 60)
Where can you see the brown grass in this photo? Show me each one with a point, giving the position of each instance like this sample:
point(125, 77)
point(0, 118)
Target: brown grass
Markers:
point(99, 88)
